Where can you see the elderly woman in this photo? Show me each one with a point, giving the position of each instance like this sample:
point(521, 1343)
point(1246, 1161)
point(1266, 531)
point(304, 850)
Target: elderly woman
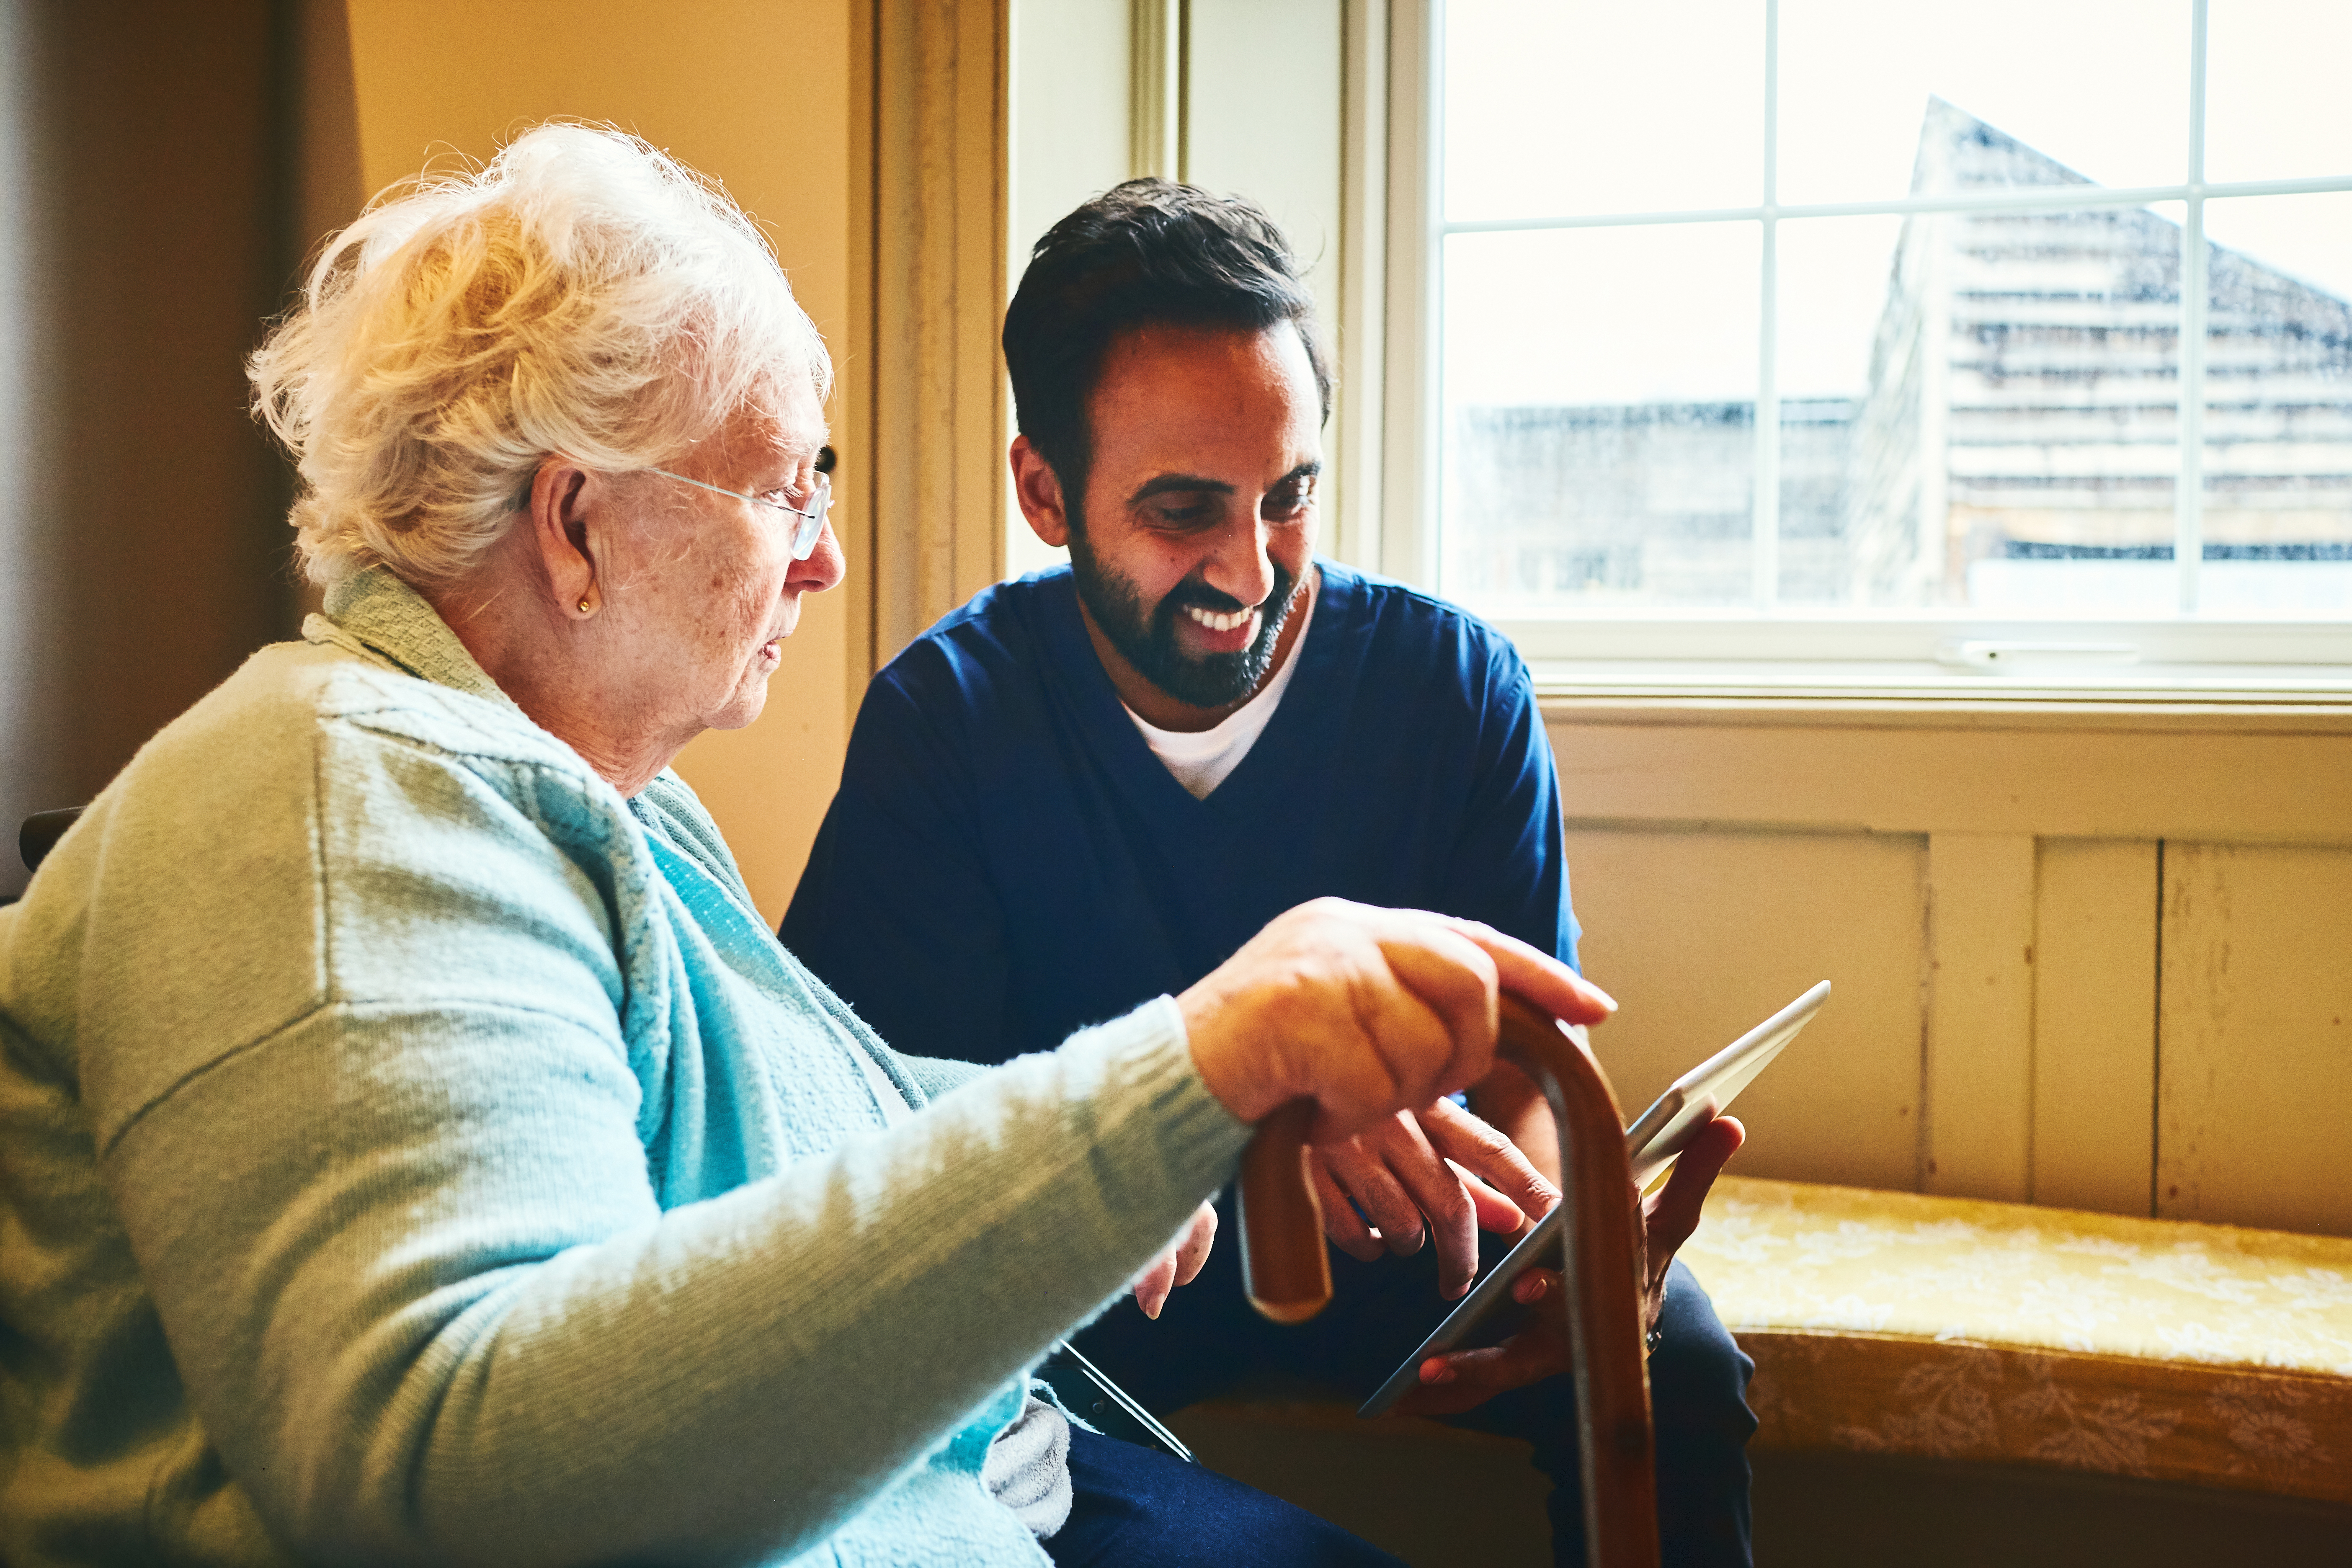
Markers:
point(413, 1146)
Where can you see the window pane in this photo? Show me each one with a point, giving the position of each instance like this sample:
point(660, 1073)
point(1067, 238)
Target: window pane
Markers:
point(1599, 416)
point(1550, 107)
point(2078, 89)
point(2002, 389)
point(2274, 90)
point(2278, 407)
point(1834, 292)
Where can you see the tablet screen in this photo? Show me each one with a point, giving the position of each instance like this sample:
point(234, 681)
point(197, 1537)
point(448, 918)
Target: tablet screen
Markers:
point(1657, 1136)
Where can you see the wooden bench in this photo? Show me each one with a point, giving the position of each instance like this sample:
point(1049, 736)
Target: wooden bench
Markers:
point(1950, 1328)
point(2002, 1340)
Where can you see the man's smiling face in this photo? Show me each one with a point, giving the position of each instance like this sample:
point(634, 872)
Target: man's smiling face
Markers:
point(1199, 522)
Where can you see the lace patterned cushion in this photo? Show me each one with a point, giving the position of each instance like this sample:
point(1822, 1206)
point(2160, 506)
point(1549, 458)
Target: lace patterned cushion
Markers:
point(1950, 1328)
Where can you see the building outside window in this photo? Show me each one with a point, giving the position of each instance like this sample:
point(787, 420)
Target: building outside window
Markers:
point(2030, 311)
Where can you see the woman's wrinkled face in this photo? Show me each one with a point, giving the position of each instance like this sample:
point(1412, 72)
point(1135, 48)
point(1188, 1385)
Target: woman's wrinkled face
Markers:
point(707, 588)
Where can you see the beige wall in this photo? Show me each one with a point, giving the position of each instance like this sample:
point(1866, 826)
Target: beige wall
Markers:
point(142, 537)
point(755, 92)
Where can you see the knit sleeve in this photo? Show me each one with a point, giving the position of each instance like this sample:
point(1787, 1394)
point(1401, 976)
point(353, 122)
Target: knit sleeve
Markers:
point(406, 1251)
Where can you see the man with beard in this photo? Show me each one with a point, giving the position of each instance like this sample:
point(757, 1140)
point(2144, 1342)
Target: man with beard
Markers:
point(1088, 786)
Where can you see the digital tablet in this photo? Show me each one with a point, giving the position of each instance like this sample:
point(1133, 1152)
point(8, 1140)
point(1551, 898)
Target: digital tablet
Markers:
point(1655, 1140)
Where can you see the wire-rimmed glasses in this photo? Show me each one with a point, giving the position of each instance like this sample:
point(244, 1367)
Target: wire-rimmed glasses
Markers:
point(804, 531)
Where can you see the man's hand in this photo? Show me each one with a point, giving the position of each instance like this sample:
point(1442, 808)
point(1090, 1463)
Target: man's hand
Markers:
point(1462, 1379)
point(1178, 1263)
point(1670, 1214)
point(1445, 1165)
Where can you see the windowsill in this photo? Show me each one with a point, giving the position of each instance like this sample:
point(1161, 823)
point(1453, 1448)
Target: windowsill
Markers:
point(2273, 698)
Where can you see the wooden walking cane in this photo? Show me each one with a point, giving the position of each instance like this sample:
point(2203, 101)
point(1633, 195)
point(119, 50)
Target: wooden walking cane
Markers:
point(1287, 1274)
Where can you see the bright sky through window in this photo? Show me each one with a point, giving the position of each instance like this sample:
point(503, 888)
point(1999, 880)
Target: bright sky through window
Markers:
point(1556, 109)
point(1950, 404)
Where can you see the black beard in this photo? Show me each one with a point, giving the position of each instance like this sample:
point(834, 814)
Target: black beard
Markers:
point(1148, 641)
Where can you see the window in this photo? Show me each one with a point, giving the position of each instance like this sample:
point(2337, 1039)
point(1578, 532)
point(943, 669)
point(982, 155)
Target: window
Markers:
point(2010, 330)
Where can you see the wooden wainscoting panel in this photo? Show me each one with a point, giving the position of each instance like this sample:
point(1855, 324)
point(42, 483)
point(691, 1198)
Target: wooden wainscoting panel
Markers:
point(2254, 1059)
point(1701, 935)
point(1979, 1126)
point(2095, 1025)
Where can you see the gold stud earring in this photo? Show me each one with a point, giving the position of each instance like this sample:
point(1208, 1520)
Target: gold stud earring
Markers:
point(583, 606)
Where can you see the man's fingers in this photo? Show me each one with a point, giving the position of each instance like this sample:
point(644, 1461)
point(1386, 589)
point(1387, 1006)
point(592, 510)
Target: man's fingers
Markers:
point(1495, 1212)
point(1433, 1189)
point(1461, 1380)
point(1483, 1151)
point(1670, 1216)
point(1340, 1222)
point(1373, 1184)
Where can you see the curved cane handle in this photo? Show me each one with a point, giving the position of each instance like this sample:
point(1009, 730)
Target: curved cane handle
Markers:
point(1287, 1274)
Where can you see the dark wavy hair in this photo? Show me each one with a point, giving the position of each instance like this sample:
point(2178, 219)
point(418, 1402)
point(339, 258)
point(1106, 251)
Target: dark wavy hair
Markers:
point(1146, 253)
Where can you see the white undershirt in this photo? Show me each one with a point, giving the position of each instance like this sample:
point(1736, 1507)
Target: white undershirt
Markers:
point(1202, 758)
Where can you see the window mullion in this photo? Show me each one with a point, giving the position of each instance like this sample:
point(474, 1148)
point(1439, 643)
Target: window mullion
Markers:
point(1413, 347)
point(1768, 426)
point(2188, 501)
point(1766, 499)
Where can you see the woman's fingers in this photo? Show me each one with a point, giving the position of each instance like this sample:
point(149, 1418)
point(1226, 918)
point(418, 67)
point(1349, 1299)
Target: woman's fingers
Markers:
point(1192, 1250)
point(1152, 1286)
point(1536, 977)
point(1455, 979)
point(1179, 1264)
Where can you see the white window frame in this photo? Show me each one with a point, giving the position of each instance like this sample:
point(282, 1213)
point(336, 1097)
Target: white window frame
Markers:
point(1913, 652)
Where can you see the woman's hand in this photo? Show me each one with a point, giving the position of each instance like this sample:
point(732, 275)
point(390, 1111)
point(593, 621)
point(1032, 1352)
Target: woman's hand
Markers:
point(1178, 1263)
point(1365, 1011)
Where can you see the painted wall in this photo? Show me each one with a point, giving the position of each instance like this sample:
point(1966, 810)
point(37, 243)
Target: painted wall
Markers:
point(754, 92)
point(142, 550)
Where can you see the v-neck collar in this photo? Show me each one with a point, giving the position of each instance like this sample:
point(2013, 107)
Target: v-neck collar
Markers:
point(1308, 706)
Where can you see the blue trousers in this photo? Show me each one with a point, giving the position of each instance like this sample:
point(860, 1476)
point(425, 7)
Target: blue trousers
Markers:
point(1208, 1340)
point(1140, 1508)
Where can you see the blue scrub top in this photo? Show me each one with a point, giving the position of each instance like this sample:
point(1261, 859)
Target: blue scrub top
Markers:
point(1006, 861)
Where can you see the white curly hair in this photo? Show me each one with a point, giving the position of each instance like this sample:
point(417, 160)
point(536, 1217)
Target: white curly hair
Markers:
point(584, 294)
